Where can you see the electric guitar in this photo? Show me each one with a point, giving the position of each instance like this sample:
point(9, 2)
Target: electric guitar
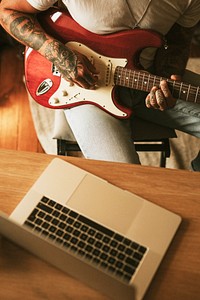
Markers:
point(115, 56)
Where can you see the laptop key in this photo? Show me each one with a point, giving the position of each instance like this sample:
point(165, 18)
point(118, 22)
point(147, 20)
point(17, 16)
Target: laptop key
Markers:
point(98, 244)
point(45, 208)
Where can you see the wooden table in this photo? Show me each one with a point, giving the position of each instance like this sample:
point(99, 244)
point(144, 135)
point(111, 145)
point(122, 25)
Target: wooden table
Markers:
point(23, 276)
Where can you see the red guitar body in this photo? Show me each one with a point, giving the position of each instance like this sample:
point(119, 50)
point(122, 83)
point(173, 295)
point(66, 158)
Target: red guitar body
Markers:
point(125, 44)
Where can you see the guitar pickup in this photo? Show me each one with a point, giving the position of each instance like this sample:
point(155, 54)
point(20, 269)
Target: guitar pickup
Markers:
point(108, 74)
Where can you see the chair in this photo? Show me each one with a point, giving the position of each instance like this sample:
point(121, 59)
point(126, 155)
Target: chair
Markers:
point(162, 146)
point(148, 137)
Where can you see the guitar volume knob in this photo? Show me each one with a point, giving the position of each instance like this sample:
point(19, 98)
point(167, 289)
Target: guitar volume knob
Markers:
point(56, 101)
point(64, 93)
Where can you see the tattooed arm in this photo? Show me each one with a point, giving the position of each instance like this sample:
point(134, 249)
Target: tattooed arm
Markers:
point(170, 63)
point(18, 19)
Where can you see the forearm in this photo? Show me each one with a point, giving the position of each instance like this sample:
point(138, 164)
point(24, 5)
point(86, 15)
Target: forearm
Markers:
point(173, 60)
point(19, 19)
point(26, 29)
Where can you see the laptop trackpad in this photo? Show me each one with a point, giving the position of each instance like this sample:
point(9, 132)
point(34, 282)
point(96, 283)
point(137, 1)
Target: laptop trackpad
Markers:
point(105, 203)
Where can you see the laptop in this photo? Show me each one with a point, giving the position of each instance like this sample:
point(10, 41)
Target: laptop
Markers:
point(109, 238)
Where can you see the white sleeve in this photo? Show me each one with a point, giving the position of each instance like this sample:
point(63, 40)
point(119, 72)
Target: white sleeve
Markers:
point(192, 14)
point(41, 4)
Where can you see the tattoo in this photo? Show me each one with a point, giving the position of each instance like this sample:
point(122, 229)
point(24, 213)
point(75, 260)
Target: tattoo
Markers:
point(63, 58)
point(25, 30)
point(173, 60)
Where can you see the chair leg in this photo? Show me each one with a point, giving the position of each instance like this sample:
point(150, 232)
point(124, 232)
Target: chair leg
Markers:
point(165, 153)
point(163, 160)
point(61, 147)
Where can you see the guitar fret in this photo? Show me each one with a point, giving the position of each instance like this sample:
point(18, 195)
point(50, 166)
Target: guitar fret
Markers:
point(184, 93)
point(187, 97)
point(122, 78)
point(173, 87)
point(132, 81)
point(154, 80)
point(180, 90)
point(126, 77)
point(196, 95)
point(151, 81)
point(148, 81)
point(117, 76)
point(129, 77)
point(135, 80)
point(137, 85)
point(143, 82)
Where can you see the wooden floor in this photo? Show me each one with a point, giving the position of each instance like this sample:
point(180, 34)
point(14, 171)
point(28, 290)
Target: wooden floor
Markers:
point(16, 126)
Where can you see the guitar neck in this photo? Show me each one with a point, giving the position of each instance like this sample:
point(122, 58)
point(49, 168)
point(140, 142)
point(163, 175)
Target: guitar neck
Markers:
point(144, 81)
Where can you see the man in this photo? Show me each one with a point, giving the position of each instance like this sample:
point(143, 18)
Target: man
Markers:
point(100, 135)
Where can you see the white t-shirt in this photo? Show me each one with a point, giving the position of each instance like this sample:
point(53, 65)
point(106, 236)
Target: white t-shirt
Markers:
point(103, 17)
point(114, 15)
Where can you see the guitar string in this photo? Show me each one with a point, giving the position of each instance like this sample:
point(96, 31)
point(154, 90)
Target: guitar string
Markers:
point(188, 90)
point(181, 87)
point(133, 74)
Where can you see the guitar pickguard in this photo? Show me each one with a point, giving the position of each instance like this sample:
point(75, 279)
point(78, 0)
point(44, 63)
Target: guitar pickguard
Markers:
point(72, 95)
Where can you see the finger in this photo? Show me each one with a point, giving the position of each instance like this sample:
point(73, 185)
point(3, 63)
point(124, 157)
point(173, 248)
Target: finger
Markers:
point(85, 83)
point(85, 77)
point(89, 65)
point(170, 100)
point(80, 81)
point(91, 68)
point(152, 97)
point(164, 88)
point(160, 100)
point(91, 80)
point(147, 101)
point(176, 77)
point(86, 66)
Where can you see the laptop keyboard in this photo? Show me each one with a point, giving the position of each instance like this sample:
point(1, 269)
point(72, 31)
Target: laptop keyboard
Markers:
point(97, 244)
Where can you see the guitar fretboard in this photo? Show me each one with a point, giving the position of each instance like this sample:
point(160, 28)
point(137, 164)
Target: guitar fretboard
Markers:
point(144, 81)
